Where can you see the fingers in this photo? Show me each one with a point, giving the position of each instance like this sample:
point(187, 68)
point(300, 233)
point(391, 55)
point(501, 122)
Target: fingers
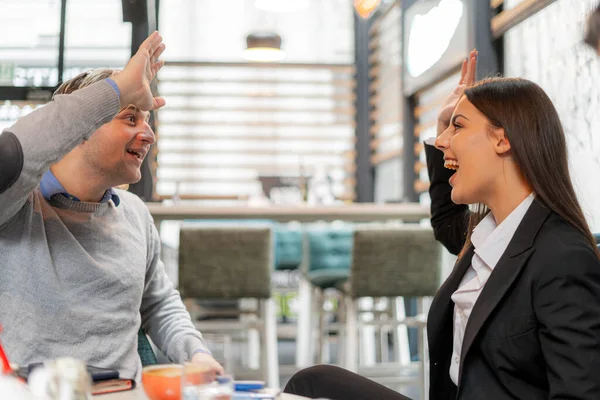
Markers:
point(159, 50)
point(156, 66)
point(471, 68)
point(463, 72)
point(158, 102)
point(152, 43)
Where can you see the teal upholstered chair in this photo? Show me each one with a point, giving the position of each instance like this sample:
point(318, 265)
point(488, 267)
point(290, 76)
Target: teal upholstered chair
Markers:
point(288, 247)
point(145, 349)
point(328, 250)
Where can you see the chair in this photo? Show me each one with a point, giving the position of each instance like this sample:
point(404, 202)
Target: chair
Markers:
point(145, 351)
point(391, 262)
point(232, 261)
point(328, 251)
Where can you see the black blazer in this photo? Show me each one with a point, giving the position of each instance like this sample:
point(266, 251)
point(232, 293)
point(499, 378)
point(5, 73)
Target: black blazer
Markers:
point(534, 332)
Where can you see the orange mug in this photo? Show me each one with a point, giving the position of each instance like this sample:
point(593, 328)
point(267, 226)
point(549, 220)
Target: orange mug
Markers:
point(164, 381)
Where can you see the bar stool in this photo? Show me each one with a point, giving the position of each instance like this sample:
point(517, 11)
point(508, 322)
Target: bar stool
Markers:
point(392, 262)
point(232, 261)
point(328, 250)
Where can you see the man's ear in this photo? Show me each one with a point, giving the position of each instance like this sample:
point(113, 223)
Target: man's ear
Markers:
point(500, 141)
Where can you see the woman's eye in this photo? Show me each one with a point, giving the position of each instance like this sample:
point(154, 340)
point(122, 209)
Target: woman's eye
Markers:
point(456, 126)
point(131, 119)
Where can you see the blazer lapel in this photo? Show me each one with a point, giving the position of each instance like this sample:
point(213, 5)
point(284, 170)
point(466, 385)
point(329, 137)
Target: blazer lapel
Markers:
point(504, 274)
point(442, 305)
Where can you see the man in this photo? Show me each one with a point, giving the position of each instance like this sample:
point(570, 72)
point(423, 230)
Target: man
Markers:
point(80, 260)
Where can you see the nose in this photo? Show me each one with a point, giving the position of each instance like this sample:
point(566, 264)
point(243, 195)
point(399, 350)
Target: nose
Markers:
point(442, 142)
point(146, 134)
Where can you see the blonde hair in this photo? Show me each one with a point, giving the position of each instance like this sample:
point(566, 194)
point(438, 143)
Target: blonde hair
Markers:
point(85, 79)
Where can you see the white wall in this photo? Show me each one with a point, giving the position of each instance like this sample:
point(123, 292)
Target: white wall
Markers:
point(548, 49)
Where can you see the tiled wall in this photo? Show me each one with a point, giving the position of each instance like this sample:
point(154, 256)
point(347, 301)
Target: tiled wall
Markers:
point(547, 48)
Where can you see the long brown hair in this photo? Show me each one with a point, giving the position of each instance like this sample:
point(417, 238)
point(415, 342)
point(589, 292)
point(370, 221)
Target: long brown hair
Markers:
point(538, 145)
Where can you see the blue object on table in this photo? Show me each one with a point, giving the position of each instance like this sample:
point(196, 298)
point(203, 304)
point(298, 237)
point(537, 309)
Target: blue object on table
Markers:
point(246, 386)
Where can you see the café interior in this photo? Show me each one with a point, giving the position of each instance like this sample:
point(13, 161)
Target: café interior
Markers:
point(288, 181)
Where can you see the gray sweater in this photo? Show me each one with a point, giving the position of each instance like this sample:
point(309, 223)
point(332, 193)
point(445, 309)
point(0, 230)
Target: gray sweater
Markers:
point(78, 279)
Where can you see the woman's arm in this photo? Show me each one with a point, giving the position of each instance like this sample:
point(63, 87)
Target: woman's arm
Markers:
point(567, 305)
point(450, 221)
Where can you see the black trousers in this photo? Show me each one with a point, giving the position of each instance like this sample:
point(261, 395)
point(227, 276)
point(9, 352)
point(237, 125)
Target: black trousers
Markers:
point(336, 383)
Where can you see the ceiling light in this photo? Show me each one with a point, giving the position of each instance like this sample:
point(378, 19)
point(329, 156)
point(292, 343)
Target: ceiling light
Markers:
point(364, 8)
point(263, 47)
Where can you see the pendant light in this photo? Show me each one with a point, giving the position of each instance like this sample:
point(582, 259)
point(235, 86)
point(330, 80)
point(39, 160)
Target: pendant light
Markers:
point(263, 47)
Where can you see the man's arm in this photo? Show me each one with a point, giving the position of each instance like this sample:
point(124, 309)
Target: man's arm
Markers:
point(567, 305)
point(41, 138)
point(164, 317)
point(450, 221)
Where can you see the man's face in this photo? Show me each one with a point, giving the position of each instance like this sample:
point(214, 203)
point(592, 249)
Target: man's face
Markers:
point(117, 149)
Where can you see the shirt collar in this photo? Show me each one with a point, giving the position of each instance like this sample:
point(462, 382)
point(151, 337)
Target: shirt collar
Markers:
point(50, 186)
point(491, 240)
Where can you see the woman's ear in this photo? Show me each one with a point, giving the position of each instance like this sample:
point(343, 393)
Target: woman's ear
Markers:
point(500, 141)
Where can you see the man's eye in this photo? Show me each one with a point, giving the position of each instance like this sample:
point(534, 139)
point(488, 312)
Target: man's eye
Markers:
point(131, 118)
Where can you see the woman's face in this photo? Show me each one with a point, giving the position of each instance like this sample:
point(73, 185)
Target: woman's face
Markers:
point(471, 149)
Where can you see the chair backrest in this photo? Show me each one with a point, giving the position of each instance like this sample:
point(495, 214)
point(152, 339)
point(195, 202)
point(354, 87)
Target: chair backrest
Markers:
point(225, 261)
point(329, 247)
point(389, 261)
point(145, 349)
point(288, 247)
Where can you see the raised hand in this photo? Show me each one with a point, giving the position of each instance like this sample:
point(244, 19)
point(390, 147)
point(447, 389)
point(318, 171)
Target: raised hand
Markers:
point(467, 78)
point(134, 81)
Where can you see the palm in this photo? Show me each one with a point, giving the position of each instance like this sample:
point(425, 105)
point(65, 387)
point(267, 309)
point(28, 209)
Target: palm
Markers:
point(467, 78)
point(134, 81)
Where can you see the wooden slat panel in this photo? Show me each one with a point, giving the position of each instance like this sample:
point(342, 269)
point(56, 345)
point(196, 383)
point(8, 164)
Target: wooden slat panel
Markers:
point(419, 166)
point(418, 148)
point(262, 152)
point(421, 186)
point(260, 123)
point(504, 21)
point(202, 138)
point(374, 71)
point(423, 108)
point(374, 43)
point(347, 68)
point(278, 166)
point(374, 58)
point(347, 83)
point(335, 110)
point(333, 96)
point(374, 144)
point(206, 197)
point(421, 127)
point(349, 182)
point(374, 129)
point(388, 155)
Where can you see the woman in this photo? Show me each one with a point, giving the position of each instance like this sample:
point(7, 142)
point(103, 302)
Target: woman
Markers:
point(519, 316)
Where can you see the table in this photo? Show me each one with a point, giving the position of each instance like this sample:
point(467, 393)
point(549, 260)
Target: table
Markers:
point(356, 212)
point(138, 394)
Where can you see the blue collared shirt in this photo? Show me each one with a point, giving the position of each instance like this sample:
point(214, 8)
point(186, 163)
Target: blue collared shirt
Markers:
point(50, 186)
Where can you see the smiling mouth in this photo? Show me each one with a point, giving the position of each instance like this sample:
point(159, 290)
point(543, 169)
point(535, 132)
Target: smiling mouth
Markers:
point(451, 164)
point(137, 154)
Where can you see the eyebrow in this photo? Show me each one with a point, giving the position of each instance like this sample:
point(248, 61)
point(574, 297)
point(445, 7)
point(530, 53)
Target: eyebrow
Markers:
point(457, 116)
point(136, 110)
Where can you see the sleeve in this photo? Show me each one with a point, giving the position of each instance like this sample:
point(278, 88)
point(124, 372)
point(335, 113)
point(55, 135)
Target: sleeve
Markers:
point(567, 304)
point(450, 221)
point(164, 316)
point(43, 137)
